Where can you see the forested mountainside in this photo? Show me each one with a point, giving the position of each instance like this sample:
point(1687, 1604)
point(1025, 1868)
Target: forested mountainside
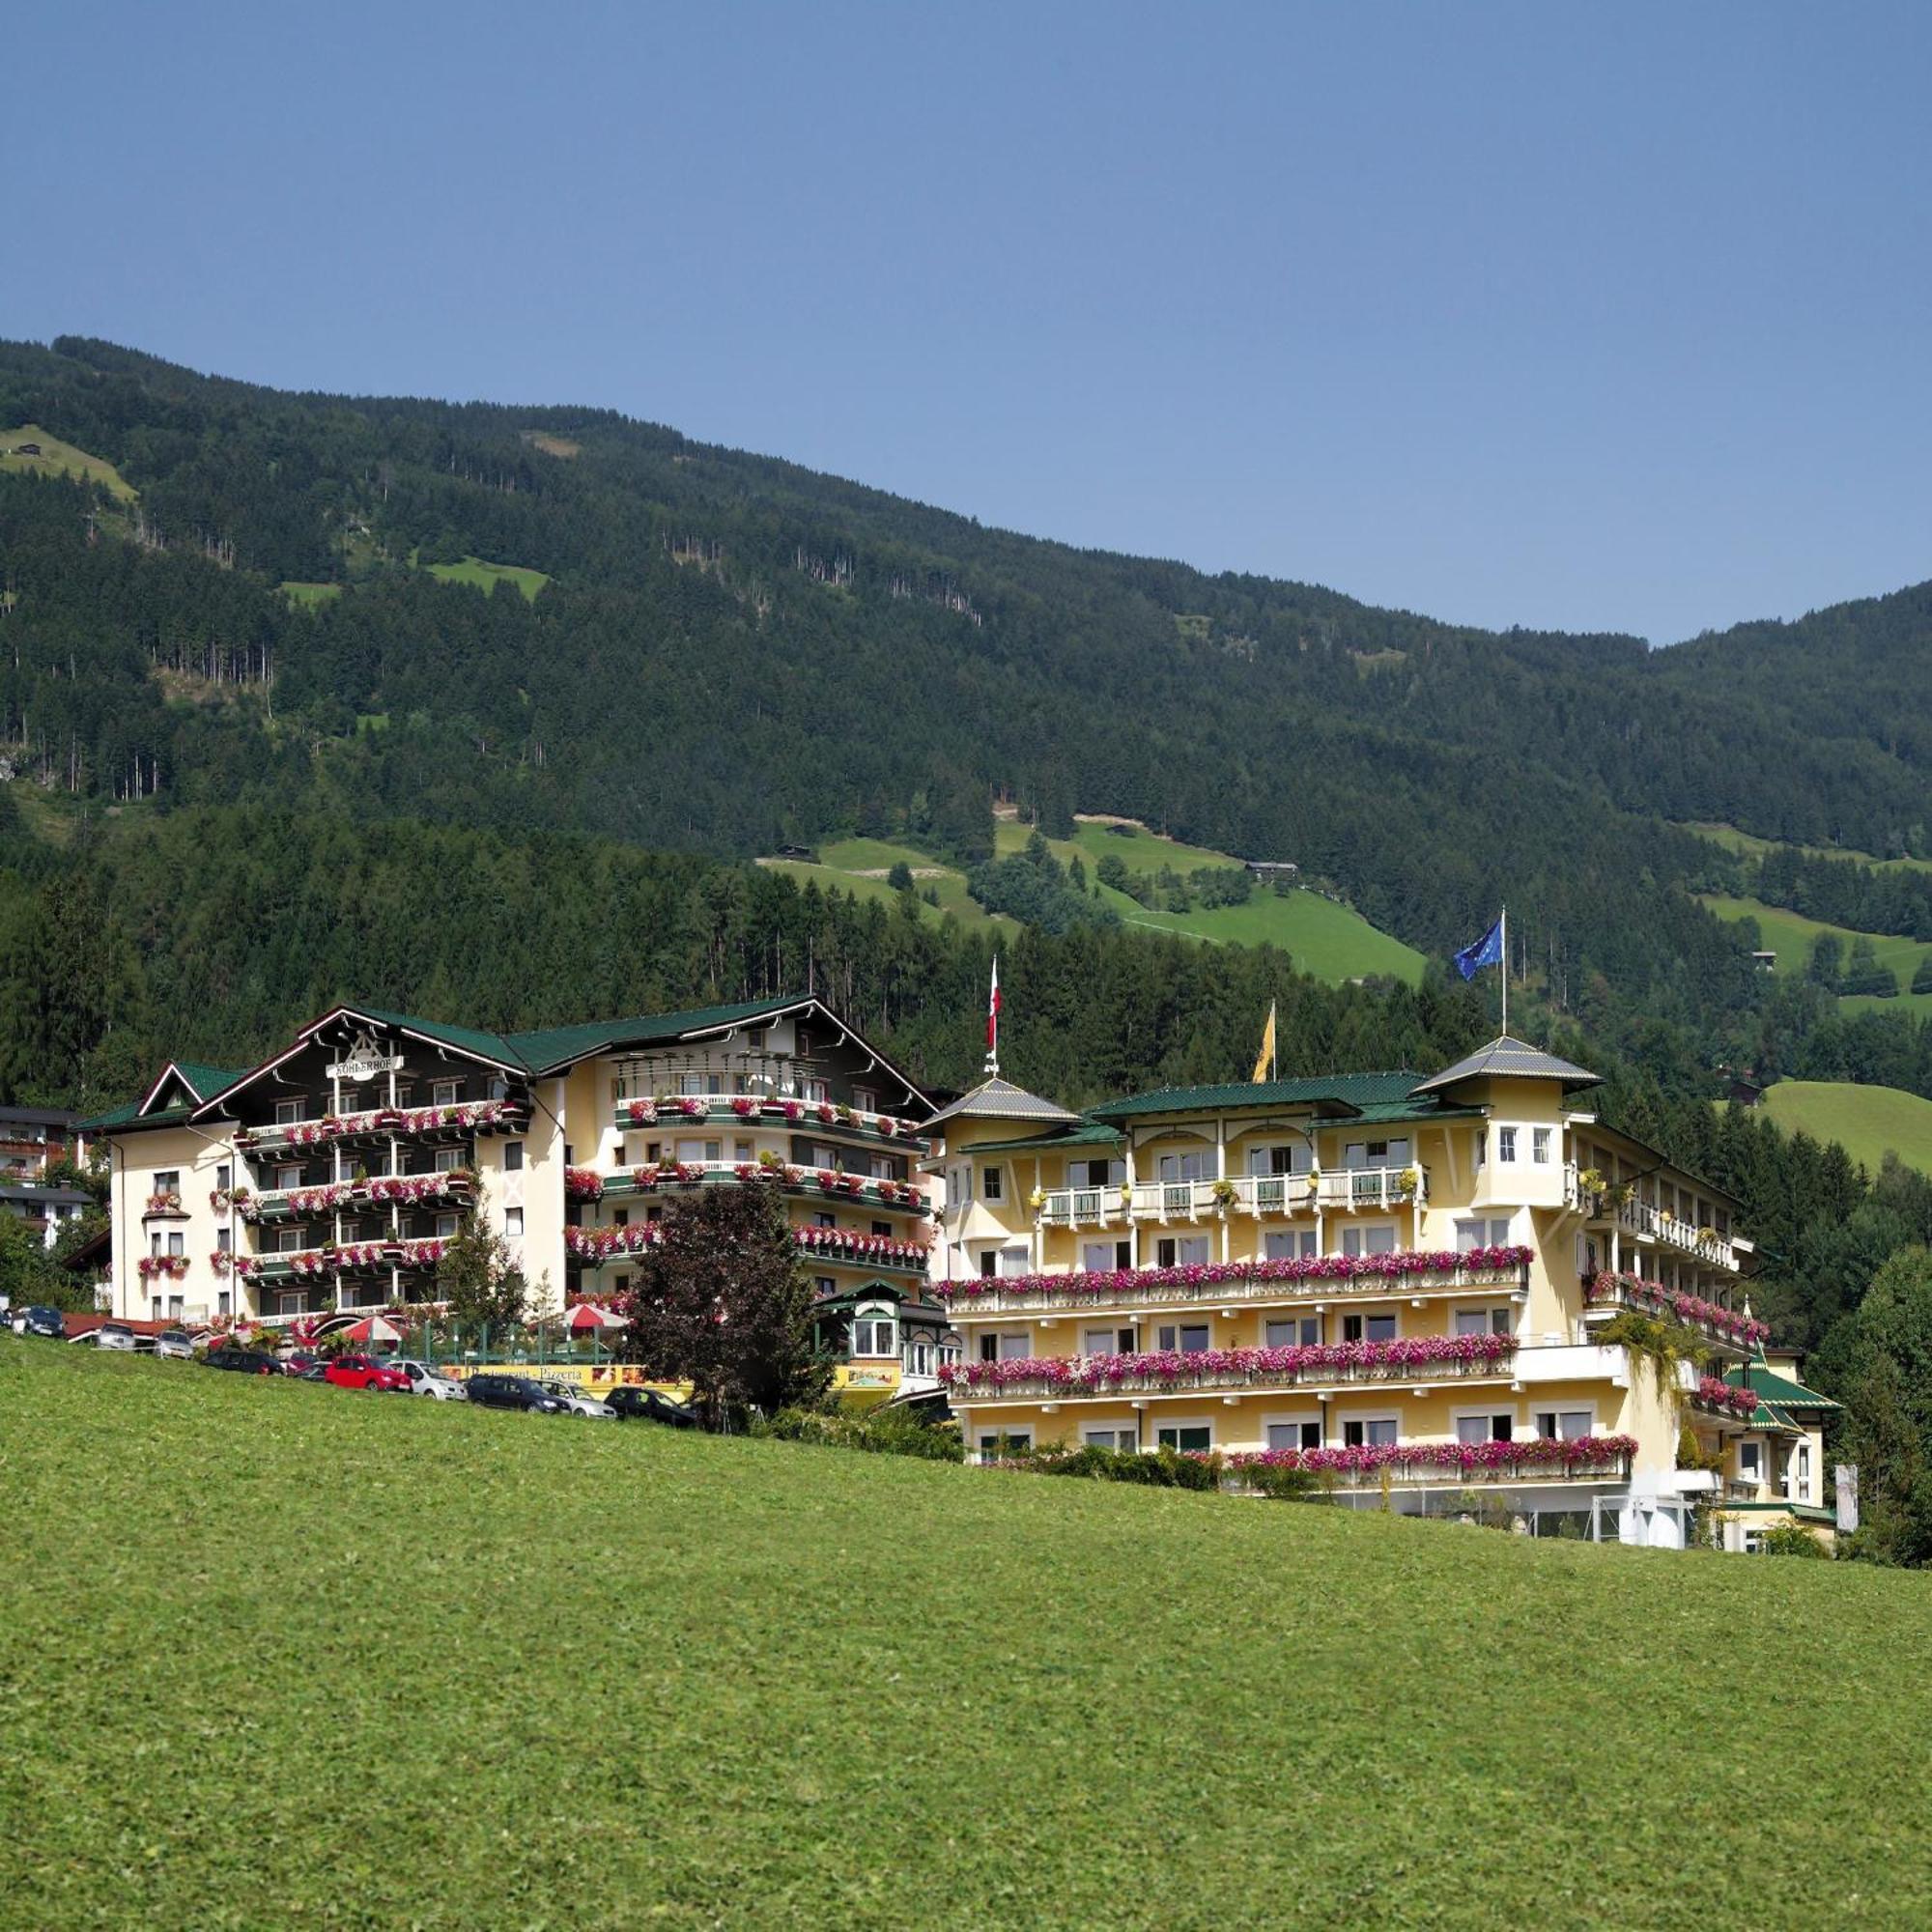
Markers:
point(726, 653)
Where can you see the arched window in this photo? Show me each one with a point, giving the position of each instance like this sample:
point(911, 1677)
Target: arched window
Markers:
point(875, 1329)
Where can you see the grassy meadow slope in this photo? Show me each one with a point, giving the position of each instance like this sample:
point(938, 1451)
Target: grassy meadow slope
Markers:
point(1790, 936)
point(292, 1655)
point(1869, 1121)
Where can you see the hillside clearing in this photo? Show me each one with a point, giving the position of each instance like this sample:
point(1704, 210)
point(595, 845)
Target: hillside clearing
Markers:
point(1754, 848)
point(309, 596)
point(586, 1674)
point(474, 570)
point(1869, 1120)
point(60, 459)
point(1790, 936)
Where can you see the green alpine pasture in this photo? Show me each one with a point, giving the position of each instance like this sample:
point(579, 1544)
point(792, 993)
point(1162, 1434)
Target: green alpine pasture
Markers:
point(1790, 936)
point(487, 575)
point(1869, 1121)
point(1754, 848)
point(279, 1653)
point(1326, 938)
point(309, 596)
point(60, 459)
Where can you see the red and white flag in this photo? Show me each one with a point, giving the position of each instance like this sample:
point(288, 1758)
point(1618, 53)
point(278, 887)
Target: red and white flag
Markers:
point(993, 1020)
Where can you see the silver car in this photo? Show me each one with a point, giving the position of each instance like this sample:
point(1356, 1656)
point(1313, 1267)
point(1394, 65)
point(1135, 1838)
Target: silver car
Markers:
point(576, 1400)
point(177, 1344)
point(115, 1335)
point(427, 1380)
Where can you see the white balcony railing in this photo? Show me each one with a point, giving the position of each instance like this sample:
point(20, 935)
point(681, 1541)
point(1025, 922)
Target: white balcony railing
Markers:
point(1647, 1222)
point(1356, 1190)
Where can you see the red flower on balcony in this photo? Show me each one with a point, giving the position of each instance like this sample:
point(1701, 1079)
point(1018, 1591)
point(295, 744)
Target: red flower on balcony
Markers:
point(585, 1184)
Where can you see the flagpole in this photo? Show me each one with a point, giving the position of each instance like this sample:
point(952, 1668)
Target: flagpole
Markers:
point(1275, 1047)
point(1503, 926)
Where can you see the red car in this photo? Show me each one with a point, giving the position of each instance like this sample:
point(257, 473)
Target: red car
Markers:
point(364, 1372)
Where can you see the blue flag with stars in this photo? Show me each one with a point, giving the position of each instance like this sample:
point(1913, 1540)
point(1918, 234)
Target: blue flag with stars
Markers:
point(1488, 951)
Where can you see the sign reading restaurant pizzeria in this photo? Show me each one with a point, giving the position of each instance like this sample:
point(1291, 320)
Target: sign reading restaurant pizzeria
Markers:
point(364, 1060)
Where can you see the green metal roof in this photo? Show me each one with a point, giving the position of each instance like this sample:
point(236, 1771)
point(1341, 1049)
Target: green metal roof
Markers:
point(1778, 1392)
point(466, 1040)
point(1089, 1134)
point(209, 1081)
point(547, 1047)
point(1369, 1098)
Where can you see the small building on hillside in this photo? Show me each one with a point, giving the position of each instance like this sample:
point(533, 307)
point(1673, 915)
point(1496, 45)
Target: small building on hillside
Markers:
point(1774, 1472)
point(46, 1210)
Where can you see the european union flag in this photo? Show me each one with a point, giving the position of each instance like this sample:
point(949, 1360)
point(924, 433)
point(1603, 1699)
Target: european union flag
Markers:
point(1488, 951)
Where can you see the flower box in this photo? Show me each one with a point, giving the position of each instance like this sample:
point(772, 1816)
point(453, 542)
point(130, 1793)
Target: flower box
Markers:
point(1742, 1329)
point(582, 1184)
point(1537, 1455)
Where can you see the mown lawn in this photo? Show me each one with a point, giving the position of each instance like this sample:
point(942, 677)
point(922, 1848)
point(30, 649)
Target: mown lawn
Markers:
point(281, 1655)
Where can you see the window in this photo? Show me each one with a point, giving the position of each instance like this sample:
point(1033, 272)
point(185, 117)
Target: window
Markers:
point(918, 1354)
point(176, 1303)
point(1505, 1143)
point(1482, 1322)
point(224, 1175)
point(224, 1301)
point(154, 1308)
point(1289, 1244)
point(1370, 1432)
point(1802, 1473)
point(1750, 1465)
point(288, 1177)
point(620, 1217)
point(744, 1151)
point(1187, 1251)
point(1478, 1231)
point(1186, 1338)
point(882, 1227)
point(623, 1283)
point(224, 1241)
point(992, 1183)
point(1096, 1173)
point(288, 1112)
point(1272, 1160)
point(1563, 1424)
point(694, 1150)
point(1539, 1145)
point(513, 1222)
point(177, 1244)
point(1175, 1167)
point(1096, 1257)
point(989, 1262)
point(874, 1333)
point(815, 1089)
point(512, 1156)
point(1294, 1436)
point(1189, 1438)
point(1109, 1438)
point(1368, 1327)
point(167, 1181)
point(1014, 1259)
point(445, 1092)
point(1010, 1348)
point(447, 1227)
point(822, 1218)
point(1106, 1341)
point(1292, 1332)
point(1473, 1429)
point(822, 1283)
point(866, 1099)
point(993, 1447)
point(448, 1159)
point(291, 1241)
point(1376, 1238)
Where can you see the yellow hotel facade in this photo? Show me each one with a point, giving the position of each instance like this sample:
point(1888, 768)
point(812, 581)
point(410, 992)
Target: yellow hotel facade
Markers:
point(1398, 1283)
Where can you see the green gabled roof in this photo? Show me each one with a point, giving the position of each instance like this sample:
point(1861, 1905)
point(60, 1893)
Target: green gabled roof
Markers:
point(1352, 1095)
point(1089, 1134)
point(1779, 1392)
point(466, 1040)
point(209, 1081)
point(547, 1047)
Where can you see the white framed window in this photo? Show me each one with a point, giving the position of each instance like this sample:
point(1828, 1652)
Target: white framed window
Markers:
point(1111, 1436)
point(1374, 1238)
point(1368, 1327)
point(1506, 1144)
point(1289, 1244)
point(1013, 1346)
point(742, 1151)
point(1183, 1338)
point(1106, 1341)
point(290, 1303)
point(866, 1099)
point(288, 1177)
point(1015, 1258)
point(1186, 1438)
point(992, 1183)
point(813, 1090)
point(447, 1227)
point(1751, 1462)
point(1800, 1472)
point(1265, 1162)
point(291, 1241)
point(1298, 1432)
point(224, 1175)
point(874, 1330)
point(177, 1244)
point(1096, 1257)
point(1488, 1426)
point(1371, 1431)
point(153, 1308)
point(513, 1222)
point(448, 1159)
point(289, 1112)
point(176, 1303)
point(1565, 1425)
point(1482, 1322)
point(693, 1150)
point(1177, 1166)
point(224, 1301)
point(1290, 1331)
point(1478, 1230)
point(1183, 1251)
point(1539, 1145)
point(995, 1444)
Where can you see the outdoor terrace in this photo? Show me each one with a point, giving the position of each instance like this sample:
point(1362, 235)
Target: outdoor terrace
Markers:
point(1349, 1190)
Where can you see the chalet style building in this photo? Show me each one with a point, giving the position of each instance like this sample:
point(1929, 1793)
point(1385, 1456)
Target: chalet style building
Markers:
point(1400, 1284)
point(327, 1179)
point(32, 1140)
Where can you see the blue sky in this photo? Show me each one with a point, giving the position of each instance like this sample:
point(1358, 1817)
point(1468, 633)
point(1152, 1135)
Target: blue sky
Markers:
point(1605, 319)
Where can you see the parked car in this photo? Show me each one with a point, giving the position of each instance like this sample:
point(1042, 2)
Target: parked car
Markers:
point(576, 1400)
point(38, 1321)
point(243, 1361)
point(316, 1372)
point(512, 1392)
point(363, 1372)
point(301, 1362)
point(176, 1344)
point(641, 1405)
point(429, 1381)
point(115, 1335)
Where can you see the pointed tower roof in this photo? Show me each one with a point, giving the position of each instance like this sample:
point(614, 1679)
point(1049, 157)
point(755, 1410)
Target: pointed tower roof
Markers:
point(1509, 1059)
point(998, 1100)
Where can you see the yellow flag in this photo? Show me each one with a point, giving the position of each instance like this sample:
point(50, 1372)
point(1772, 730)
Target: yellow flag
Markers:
point(1264, 1060)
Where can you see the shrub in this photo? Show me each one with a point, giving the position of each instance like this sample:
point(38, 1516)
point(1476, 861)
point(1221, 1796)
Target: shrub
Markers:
point(1789, 1538)
point(882, 1432)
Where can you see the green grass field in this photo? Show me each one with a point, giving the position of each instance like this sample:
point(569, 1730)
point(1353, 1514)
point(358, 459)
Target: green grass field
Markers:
point(280, 1654)
point(61, 459)
point(1790, 936)
point(1752, 846)
point(309, 596)
point(1867, 1120)
point(487, 575)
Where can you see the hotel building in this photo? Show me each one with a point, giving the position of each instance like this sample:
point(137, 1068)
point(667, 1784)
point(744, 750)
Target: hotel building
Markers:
point(1400, 1283)
point(326, 1180)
